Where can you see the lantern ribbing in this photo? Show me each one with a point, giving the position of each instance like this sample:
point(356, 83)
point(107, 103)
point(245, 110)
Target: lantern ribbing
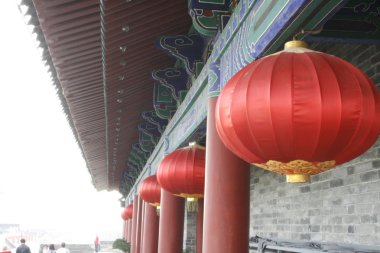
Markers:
point(182, 172)
point(127, 212)
point(298, 112)
point(150, 191)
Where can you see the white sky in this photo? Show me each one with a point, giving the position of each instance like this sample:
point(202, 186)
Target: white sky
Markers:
point(44, 181)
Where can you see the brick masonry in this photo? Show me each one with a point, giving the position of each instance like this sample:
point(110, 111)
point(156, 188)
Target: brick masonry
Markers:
point(189, 236)
point(341, 205)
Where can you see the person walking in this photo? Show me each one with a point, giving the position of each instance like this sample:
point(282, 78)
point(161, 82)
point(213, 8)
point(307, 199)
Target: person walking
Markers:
point(45, 248)
point(23, 248)
point(51, 248)
point(97, 244)
point(63, 249)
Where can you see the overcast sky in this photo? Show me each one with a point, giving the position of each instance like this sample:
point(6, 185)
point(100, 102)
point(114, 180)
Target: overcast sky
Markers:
point(44, 181)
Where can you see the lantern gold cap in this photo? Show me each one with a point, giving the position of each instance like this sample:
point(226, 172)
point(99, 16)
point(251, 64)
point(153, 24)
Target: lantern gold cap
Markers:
point(298, 178)
point(295, 43)
point(194, 144)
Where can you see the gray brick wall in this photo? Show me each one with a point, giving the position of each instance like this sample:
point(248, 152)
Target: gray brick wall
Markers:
point(341, 205)
point(365, 57)
point(190, 232)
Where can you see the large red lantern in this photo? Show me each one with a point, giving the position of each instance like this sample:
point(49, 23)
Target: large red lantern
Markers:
point(182, 172)
point(150, 191)
point(127, 212)
point(298, 112)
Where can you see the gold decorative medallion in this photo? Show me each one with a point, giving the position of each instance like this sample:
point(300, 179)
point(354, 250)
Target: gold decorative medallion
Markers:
point(297, 170)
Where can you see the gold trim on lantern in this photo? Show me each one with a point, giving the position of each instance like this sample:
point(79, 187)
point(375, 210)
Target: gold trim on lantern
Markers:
point(300, 168)
point(296, 43)
point(186, 195)
point(297, 178)
point(154, 204)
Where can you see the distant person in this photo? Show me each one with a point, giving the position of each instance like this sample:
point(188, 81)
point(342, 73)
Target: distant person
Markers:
point(45, 249)
point(63, 249)
point(97, 244)
point(51, 249)
point(5, 250)
point(23, 248)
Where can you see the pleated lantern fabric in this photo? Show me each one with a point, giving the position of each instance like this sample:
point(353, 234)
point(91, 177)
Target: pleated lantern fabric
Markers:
point(150, 190)
point(298, 112)
point(182, 172)
point(127, 212)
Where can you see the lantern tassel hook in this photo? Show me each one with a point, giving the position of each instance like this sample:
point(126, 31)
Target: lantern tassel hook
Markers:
point(303, 31)
point(296, 43)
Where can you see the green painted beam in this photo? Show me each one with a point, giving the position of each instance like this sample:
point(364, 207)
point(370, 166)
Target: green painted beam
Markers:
point(193, 110)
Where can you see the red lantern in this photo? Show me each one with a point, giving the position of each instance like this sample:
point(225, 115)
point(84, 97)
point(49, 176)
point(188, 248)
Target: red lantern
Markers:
point(183, 171)
point(298, 112)
point(150, 191)
point(127, 213)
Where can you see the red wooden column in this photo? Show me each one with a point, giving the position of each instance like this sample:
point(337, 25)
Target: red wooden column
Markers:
point(226, 201)
point(129, 225)
point(142, 223)
point(150, 234)
point(129, 228)
point(134, 224)
point(126, 230)
point(139, 225)
point(170, 236)
point(199, 227)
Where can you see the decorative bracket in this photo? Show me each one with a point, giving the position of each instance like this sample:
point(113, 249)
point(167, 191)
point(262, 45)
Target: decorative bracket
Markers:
point(209, 15)
point(148, 136)
point(175, 79)
point(188, 49)
point(163, 102)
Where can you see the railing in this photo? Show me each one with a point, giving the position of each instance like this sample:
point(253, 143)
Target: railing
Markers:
point(263, 245)
point(254, 247)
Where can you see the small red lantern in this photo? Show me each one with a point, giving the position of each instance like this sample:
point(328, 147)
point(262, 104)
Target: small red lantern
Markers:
point(127, 213)
point(150, 191)
point(298, 112)
point(183, 172)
